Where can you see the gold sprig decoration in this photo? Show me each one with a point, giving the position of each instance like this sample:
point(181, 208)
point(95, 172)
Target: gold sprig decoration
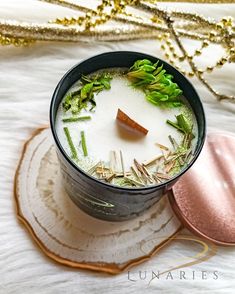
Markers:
point(169, 28)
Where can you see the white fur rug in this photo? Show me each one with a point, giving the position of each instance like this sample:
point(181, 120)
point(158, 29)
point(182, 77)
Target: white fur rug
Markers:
point(27, 79)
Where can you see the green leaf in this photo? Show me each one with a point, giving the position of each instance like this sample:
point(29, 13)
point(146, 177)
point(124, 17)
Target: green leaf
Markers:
point(84, 95)
point(67, 102)
point(85, 79)
point(184, 124)
point(139, 63)
point(156, 83)
point(86, 90)
point(140, 74)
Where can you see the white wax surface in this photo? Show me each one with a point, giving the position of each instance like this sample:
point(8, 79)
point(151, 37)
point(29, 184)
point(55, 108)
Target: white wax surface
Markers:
point(103, 133)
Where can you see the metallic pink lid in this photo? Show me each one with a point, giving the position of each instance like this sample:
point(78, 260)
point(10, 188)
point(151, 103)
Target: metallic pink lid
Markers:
point(204, 197)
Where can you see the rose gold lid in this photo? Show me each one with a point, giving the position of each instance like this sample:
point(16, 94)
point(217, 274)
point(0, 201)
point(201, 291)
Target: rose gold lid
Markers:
point(204, 197)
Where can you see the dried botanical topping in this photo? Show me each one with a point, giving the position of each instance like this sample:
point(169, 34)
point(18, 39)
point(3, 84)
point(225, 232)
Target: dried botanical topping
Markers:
point(162, 147)
point(152, 161)
point(122, 164)
point(75, 119)
point(70, 143)
point(130, 123)
point(182, 124)
point(156, 83)
point(134, 182)
point(83, 140)
point(83, 97)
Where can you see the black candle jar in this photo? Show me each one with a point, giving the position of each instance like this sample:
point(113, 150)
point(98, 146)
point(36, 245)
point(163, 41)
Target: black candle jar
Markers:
point(103, 200)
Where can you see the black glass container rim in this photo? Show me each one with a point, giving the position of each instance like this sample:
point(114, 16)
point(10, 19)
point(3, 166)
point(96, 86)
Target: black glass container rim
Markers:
point(109, 185)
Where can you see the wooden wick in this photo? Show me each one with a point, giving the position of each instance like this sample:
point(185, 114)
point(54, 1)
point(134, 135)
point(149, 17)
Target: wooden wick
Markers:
point(124, 119)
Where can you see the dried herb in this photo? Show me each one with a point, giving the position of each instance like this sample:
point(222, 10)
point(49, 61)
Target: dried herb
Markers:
point(82, 97)
point(182, 124)
point(173, 142)
point(156, 83)
point(162, 146)
point(152, 161)
point(110, 178)
point(136, 174)
point(93, 168)
point(70, 142)
point(122, 163)
point(83, 140)
point(75, 119)
point(133, 182)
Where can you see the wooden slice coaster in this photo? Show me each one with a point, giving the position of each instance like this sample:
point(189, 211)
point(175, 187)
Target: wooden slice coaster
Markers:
point(71, 237)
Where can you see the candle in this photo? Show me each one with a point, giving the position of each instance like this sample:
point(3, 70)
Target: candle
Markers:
point(128, 127)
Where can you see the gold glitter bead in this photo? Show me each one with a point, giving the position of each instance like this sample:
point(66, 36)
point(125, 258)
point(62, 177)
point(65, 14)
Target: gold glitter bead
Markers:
point(167, 55)
point(181, 58)
point(16, 42)
point(88, 15)
point(172, 49)
point(114, 10)
point(219, 26)
point(168, 42)
point(107, 17)
point(174, 55)
point(103, 18)
point(232, 50)
point(224, 60)
point(163, 47)
point(100, 7)
point(200, 71)
point(205, 43)
point(183, 71)
point(80, 20)
point(191, 74)
point(122, 4)
point(198, 52)
point(98, 21)
point(59, 20)
point(190, 57)
point(209, 69)
point(87, 25)
point(172, 61)
point(166, 35)
point(212, 35)
point(73, 20)
point(25, 43)
point(7, 41)
point(219, 63)
point(227, 21)
point(232, 58)
point(92, 23)
point(93, 13)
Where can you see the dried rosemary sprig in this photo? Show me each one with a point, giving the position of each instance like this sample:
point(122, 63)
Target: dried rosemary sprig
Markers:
point(83, 140)
point(70, 143)
point(75, 119)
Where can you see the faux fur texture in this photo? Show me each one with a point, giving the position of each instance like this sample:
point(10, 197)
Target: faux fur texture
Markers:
point(27, 79)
